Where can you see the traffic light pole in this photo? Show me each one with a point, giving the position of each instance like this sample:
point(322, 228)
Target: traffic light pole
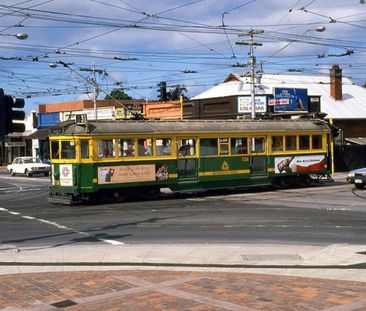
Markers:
point(7, 116)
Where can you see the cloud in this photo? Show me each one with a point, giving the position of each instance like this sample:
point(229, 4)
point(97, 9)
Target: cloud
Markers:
point(167, 37)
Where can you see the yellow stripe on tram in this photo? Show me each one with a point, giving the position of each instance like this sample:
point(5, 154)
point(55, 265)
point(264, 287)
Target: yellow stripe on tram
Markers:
point(216, 173)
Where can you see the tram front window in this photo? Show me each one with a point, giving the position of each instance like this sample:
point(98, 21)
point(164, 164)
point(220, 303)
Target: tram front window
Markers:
point(84, 147)
point(55, 150)
point(67, 150)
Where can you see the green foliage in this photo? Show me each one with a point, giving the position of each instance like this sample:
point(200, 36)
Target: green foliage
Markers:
point(176, 91)
point(118, 94)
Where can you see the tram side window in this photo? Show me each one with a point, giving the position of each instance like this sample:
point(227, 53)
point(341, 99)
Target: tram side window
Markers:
point(208, 146)
point(291, 142)
point(277, 143)
point(163, 146)
point(67, 150)
point(304, 142)
point(55, 149)
point(317, 142)
point(186, 147)
point(84, 147)
point(106, 148)
point(126, 147)
point(145, 147)
point(239, 145)
point(258, 144)
point(224, 146)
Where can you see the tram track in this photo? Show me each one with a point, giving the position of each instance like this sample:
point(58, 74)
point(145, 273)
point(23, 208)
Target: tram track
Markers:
point(356, 192)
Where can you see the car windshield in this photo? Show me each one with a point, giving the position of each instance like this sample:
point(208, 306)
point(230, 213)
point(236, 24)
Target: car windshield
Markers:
point(32, 160)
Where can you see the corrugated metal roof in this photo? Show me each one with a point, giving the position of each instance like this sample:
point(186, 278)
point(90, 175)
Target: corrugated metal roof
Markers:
point(352, 106)
point(358, 140)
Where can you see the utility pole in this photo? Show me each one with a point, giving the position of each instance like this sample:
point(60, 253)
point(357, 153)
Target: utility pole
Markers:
point(94, 70)
point(252, 44)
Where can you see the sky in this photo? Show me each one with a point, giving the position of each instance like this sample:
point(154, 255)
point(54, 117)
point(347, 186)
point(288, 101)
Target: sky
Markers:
point(194, 43)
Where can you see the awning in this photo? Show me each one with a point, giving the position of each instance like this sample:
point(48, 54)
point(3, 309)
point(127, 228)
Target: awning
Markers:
point(41, 134)
point(356, 140)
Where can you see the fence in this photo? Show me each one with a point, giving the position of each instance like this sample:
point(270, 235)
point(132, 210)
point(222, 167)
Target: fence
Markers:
point(349, 157)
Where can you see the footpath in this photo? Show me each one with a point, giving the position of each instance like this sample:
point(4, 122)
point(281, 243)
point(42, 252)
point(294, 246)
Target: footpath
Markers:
point(194, 277)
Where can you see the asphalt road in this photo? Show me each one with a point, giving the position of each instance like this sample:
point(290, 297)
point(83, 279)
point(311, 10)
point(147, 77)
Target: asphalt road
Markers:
point(318, 215)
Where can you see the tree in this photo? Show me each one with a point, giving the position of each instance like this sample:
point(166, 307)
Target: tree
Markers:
point(176, 92)
point(118, 94)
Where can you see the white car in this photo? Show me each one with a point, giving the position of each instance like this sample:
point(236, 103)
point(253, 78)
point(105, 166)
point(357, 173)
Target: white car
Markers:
point(28, 166)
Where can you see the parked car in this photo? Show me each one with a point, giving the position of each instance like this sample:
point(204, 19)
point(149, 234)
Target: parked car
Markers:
point(357, 177)
point(28, 166)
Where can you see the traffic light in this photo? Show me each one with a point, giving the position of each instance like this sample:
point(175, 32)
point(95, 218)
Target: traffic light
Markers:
point(162, 91)
point(8, 115)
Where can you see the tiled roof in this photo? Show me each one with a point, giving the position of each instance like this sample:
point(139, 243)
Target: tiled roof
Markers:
point(352, 105)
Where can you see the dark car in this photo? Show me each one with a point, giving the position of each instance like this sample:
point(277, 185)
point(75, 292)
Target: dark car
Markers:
point(357, 177)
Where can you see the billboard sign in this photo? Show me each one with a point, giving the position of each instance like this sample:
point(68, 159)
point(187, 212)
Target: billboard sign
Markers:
point(245, 106)
point(290, 100)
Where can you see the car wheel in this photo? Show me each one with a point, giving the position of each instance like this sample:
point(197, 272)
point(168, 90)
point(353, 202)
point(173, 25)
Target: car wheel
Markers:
point(359, 186)
point(27, 173)
point(12, 173)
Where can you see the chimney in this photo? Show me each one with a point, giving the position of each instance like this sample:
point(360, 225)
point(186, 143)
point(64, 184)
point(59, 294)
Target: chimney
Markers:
point(336, 82)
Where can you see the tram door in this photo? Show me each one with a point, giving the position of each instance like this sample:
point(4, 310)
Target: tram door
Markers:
point(187, 167)
point(258, 158)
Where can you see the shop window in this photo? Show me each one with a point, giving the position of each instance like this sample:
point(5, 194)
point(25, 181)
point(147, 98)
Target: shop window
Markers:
point(291, 142)
point(163, 146)
point(126, 147)
point(277, 143)
point(317, 142)
point(304, 142)
point(239, 145)
point(106, 148)
point(208, 146)
point(67, 150)
point(145, 147)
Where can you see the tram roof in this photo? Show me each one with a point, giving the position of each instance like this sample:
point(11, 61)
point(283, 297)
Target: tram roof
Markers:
point(187, 126)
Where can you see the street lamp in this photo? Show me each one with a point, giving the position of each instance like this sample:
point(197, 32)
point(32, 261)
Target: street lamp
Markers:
point(19, 36)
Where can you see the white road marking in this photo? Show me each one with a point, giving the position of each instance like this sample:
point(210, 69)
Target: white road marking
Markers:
point(59, 226)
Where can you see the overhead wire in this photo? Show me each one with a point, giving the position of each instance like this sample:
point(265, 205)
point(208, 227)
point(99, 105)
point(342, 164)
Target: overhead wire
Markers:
point(155, 23)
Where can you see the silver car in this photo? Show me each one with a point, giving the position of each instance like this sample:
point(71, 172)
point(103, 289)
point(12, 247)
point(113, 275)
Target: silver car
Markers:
point(28, 166)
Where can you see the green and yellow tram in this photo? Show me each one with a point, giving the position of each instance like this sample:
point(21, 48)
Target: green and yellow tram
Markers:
point(113, 159)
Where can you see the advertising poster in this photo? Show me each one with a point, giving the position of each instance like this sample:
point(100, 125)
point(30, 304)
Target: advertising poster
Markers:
point(289, 100)
point(66, 175)
point(245, 106)
point(132, 173)
point(299, 164)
